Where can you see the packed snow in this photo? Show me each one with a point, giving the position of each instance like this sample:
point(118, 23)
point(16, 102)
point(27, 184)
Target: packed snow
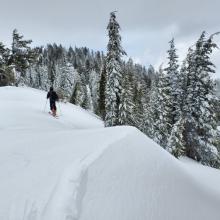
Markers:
point(72, 168)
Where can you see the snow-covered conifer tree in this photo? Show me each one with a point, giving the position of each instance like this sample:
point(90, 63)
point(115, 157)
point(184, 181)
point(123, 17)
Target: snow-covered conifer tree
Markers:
point(94, 80)
point(176, 143)
point(138, 109)
point(200, 126)
point(151, 113)
point(6, 76)
point(3, 51)
point(162, 123)
point(102, 91)
point(114, 73)
point(126, 109)
point(78, 95)
point(169, 94)
point(174, 89)
point(65, 79)
point(22, 56)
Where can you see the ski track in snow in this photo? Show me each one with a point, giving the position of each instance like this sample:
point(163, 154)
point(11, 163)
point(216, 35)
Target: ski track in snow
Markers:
point(66, 198)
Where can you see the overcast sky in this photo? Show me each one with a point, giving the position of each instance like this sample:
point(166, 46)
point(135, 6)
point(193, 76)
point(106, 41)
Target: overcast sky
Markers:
point(146, 25)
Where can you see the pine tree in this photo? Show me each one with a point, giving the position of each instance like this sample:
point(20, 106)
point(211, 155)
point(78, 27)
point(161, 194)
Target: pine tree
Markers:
point(200, 126)
point(94, 81)
point(86, 104)
point(176, 143)
point(174, 90)
point(65, 79)
point(138, 110)
point(22, 55)
point(36, 75)
point(6, 76)
point(77, 96)
point(162, 124)
point(182, 84)
point(169, 94)
point(3, 52)
point(126, 109)
point(151, 113)
point(43, 74)
point(102, 91)
point(114, 73)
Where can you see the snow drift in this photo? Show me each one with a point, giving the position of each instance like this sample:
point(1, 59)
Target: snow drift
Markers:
point(72, 168)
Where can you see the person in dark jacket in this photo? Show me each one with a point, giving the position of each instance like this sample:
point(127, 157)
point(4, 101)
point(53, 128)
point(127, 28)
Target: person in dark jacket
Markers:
point(52, 95)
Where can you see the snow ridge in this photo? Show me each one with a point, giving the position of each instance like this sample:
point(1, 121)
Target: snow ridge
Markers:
point(66, 199)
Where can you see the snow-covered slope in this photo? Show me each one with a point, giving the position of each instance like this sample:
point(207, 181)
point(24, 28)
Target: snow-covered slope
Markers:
point(72, 168)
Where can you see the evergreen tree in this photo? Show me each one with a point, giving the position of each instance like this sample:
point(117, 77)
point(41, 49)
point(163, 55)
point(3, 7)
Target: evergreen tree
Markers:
point(65, 79)
point(77, 96)
point(182, 84)
point(36, 76)
point(200, 126)
point(102, 91)
point(169, 94)
point(151, 75)
point(151, 113)
point(126, 111)
point(6, 76)
point(87, 101)
point(138, 110)
point(22, 55)
point(173, 77)
point(176, 143)
point(162, 124)
point(3, 54)
point(94, 81)
point(114, 73)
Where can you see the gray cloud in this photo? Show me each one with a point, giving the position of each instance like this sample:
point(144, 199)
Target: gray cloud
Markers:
point(147, 25)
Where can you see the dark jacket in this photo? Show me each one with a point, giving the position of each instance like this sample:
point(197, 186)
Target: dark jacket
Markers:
point(52, 96)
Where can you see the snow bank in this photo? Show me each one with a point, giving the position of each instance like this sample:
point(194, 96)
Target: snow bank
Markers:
point(72, 168)
point(135, 179)
point(24, 108)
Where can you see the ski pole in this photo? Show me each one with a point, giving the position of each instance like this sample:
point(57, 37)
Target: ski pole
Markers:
point(59, 108)
point(45, 106)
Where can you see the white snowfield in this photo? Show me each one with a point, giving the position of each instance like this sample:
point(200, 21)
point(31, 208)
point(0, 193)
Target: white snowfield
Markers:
point(72, 168)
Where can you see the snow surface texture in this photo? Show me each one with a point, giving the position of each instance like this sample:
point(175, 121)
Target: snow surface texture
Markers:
point(72, 168)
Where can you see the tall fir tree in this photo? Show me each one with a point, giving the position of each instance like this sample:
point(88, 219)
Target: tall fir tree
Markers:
point(3, 54)
point(174, 88)
point(22, 56)
point(168, 98)
point(200, 122)
point(78, 95)
point(94, 81)
point(151, 113)
point(162, 124)
point(114, 73)
point(138, 109)
point(176, 142)
point(126, 111)
point(65, 79)
point(6, 76)
point(102, 91)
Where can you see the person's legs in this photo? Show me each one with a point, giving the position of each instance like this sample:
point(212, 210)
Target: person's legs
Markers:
point(51, 105)
point(54, 108)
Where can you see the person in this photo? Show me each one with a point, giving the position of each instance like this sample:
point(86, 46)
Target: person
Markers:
point(52, 95)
